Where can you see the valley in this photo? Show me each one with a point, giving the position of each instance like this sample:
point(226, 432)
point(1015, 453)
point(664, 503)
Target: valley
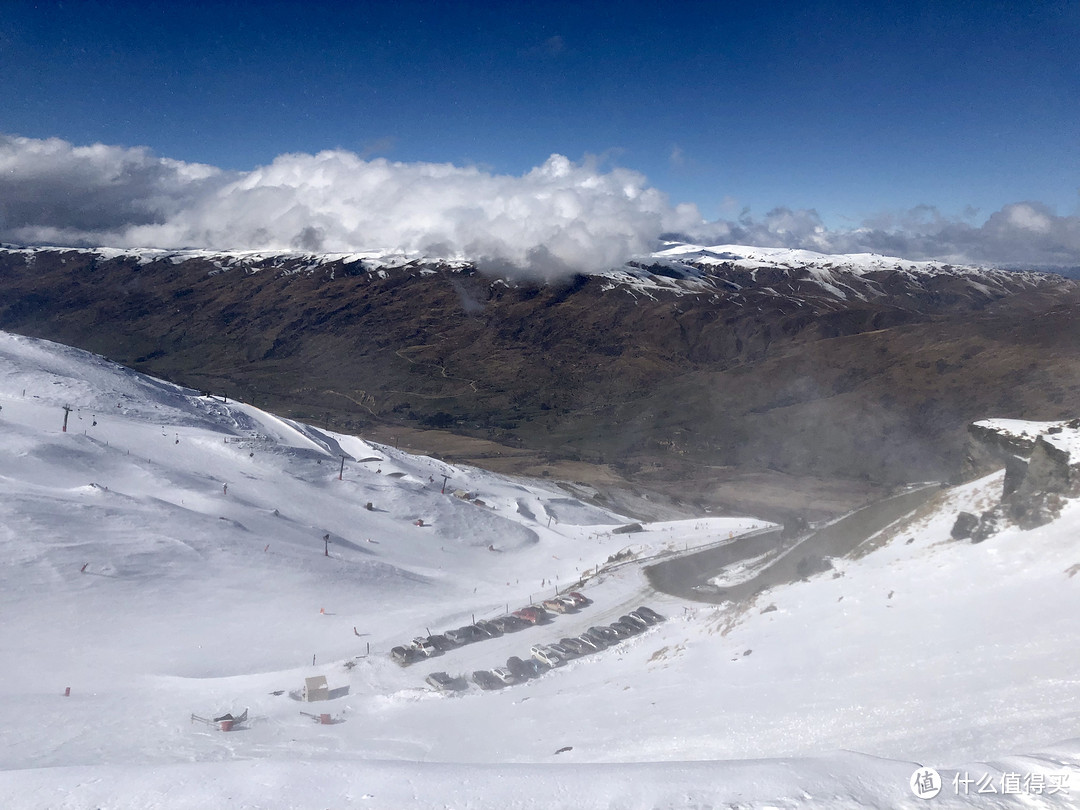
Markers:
point(172, 555)
point(786, 384)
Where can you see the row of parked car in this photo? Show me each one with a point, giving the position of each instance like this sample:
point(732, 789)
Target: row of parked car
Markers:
point(423, 647)
point(548, 656)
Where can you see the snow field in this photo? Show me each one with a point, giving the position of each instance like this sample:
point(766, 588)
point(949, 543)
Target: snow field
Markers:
point(199, 600)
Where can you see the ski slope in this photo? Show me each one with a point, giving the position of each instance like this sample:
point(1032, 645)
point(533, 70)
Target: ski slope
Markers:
point(165, 557)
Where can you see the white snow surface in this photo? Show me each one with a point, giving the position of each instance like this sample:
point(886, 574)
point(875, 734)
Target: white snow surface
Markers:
point(1063, 435)
point(165, 558)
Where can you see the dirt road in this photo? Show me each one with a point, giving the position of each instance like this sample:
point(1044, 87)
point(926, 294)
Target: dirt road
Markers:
point(770, 561)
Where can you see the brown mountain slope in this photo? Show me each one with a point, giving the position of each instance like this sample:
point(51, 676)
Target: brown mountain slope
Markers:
point(783, 390)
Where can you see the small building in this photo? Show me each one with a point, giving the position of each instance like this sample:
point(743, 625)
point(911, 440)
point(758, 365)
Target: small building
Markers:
point(316, 689)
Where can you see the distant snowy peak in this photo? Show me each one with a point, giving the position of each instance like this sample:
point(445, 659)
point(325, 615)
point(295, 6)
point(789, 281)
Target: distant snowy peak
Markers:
point(750, 258)
point(732, 272)
point(738, 272)
point(253, 260)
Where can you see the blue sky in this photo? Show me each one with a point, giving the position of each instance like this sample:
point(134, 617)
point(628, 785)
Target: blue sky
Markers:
point(857, 111)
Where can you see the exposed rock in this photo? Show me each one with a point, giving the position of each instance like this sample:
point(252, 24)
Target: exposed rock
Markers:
point(1035, 487)
point(810, 565)
point(1015, 471)
point(1050, 469)
point(989, 524)
point(965, 524)
point(1034, 510)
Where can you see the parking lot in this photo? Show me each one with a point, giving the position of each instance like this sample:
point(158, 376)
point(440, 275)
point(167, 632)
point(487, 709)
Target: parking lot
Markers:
point(515, 636)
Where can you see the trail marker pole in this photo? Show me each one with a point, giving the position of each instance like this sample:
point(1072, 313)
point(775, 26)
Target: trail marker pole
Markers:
point(326, 545)
point(341, 472)
point(444, 480)
point(67, 410)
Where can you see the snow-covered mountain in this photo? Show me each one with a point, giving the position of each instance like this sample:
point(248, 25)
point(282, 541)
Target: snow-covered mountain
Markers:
point(172, 556)
point(757, 353)
point(804, 274)
point(677, 267)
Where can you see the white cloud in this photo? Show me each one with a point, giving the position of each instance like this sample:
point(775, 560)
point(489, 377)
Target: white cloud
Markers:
point(1026, 217)
point(1020, 233)
point(559, 217)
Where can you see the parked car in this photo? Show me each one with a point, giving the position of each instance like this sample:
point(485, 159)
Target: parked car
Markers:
point(555, 606)
point(575, 646)
point(546, 656)
point(622, 631)
point(580, 598)
point(442, 643)
point(535, 667)
point(520, 668)
point(603, 633)
point(462, 635)
point(510, 624)
point(444, 683)
point(405, 655)
point(565, 653)
point(505, 675)
point(425, 646)
point(649, 613)
point(569, 601)
point(532, 614)
point(636, 621)
point(592, 644)
point(489, 628)
point(485, 680)
point(641, 617)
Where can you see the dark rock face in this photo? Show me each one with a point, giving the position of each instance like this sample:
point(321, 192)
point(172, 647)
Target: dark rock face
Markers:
point(989, 524)
point(811, 565)
point(965, 524)
point(1049, 470)
point(1035, 487)
point(707, 381)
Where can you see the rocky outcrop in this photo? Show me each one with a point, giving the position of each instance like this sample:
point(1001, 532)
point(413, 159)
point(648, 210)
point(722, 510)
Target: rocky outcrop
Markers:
point(1042, 470)
point(990, 448)
point(966, 523)
point(1052, 466)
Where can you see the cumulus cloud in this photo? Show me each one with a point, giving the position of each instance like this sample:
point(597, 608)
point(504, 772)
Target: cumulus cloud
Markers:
point(50, 189)
point(1020, 233)
point(561, 216)
point(558, 216)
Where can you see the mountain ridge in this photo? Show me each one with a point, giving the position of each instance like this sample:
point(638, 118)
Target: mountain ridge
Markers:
point(708, 374)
